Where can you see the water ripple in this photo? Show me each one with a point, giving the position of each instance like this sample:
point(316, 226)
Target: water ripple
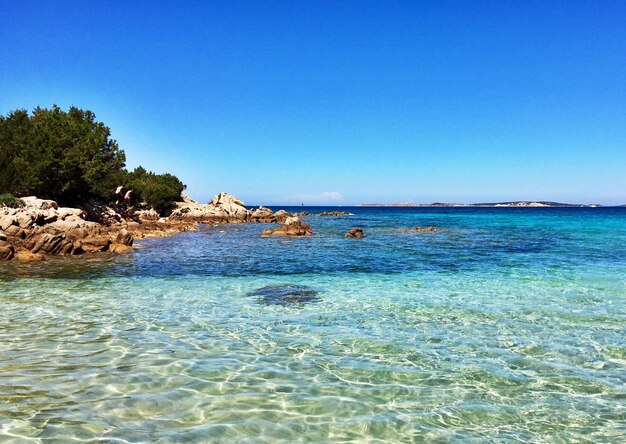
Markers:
point(502, 327)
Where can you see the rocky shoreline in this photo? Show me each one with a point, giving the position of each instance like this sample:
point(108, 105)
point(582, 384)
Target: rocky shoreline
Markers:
point(41, 227)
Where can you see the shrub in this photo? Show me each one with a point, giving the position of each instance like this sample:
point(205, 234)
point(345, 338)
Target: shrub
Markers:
point(9, 200)
point(159, 191)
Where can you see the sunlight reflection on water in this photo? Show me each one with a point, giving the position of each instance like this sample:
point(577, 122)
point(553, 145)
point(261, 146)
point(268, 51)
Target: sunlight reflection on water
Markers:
point(501, 326)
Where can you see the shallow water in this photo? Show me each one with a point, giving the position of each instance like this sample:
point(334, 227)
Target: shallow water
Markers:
point(505, 325)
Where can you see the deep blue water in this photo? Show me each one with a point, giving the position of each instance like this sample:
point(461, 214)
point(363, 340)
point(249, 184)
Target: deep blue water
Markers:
point(507, 324)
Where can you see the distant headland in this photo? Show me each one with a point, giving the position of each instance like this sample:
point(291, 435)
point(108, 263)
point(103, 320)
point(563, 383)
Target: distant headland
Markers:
point(521, 203)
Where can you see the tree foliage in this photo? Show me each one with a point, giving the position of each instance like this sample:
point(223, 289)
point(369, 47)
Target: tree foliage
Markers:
point(70, 157)
point(158, 191)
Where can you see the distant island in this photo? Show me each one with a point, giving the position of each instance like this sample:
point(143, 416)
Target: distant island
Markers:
point(522, 203)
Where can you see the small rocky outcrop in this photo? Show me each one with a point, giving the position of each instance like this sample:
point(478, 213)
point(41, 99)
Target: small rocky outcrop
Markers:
point(225, 208)
point(355, 233)
point(292, 220)
point(334, 213)
point(263, 215)
point(229, 205)
point(123, 242)
point(281, 216)
point(124, 237)
point(292, 227)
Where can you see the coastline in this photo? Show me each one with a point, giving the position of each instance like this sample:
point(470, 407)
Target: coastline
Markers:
point(41, 228)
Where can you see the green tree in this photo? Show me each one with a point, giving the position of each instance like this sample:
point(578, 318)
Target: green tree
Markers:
point(71, 158)
point(17, 154)
point(65, 156)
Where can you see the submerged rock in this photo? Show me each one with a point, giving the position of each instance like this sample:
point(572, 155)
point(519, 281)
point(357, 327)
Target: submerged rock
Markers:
point(334, 213)
point(285, 294)
point(355, 232)
point(429, 229)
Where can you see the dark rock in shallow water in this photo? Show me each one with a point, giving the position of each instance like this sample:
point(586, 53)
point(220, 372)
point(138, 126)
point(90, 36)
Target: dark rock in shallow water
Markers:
point(335, 213)
point(285, 294)
point(421, 230)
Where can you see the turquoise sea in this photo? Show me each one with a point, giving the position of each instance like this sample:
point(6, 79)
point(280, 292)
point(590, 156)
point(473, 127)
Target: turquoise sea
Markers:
point(507, 325)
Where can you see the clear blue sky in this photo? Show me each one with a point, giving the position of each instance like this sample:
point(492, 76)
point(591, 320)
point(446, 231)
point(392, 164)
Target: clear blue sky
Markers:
point(340, 102)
